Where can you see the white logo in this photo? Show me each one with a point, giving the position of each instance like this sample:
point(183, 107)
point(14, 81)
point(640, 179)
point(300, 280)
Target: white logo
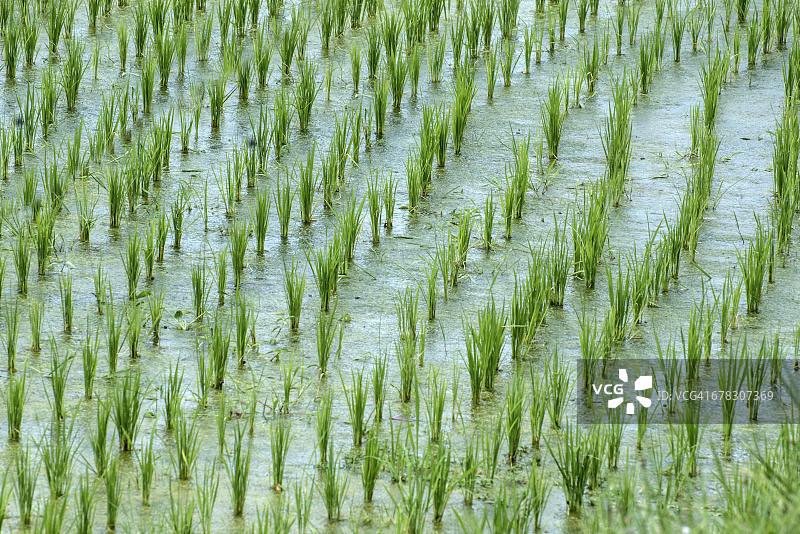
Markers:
point(642, 383)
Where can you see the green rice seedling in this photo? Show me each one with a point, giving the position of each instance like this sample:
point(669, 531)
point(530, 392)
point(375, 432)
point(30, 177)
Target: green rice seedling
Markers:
point(58, 452)
point(508, 60)
point(178, 210)
point(488, 221)
point(199, 290)
point(59, 374)
point(206, 496)
point(294, 286)
point(141, 21)
point(171, 390)
point(29, 36)
point(349, 221)
point(323, 426)
point(492, 434)
point(325, 268)
point(328, 81)
point(553, 115)
point(375, 208)
point(583, 11)
point(146, 459)
point(633, 22)
point(187, 444)
point(491, 70)
point(86, 504)
point(281, 121)
point(783, 10)
point(463, 93)
point(280, 438)
point(307, 187)
point(115, 187)
point(217, 97)
point(334, 487)
point(306, 91)
point(147, 81)
point(754, 374)
point(398, 71)
point(488, 339)
point(326, 330)
point(389, 195)
point(133, 333)
point(380, 100)
point(356, 403)
point(355, 66)
point(127, 406)
point(219, 349)
point(441, 483)
point(114, 337)
point(559, 381)
point(563, 9)
point(89, 360)
point(435, 406)
point(99, 439)
point(283, 203)
point(27, 473)
point(181, 514)
point(678, 23)
point(414, 66)
point(238, 247)
point(132, 263)
point(155, 304)
point(436, 52)
point(35, 315)
point(572, 459)
point(238, 469)
point(165, 56)
point(44, 237)
point(753, 264)
point(86, 217)
point(22, 261)
point(619, 296)
point(559, 263)
point(203, 37)
point(371, 466)
point(48, 100)
point(113, 493)
point(54, 23)
point(695, 27)
point(287, 43)
point(406, 352)
point(514, 408)
point(122, 44)
point(15, 401)
point(261, 219)
point(766, 27)
point(262, 56)
point(474, 367)
point(221, 271)
point(753, 40)
point(65, 290)
point(731, 376)
point(244, 317)
point(12, 41)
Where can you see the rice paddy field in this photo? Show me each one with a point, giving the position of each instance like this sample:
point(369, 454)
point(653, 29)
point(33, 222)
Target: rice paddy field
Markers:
point(360, 265)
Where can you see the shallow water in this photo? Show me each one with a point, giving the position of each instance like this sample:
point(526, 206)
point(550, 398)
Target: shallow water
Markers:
point(750, 103)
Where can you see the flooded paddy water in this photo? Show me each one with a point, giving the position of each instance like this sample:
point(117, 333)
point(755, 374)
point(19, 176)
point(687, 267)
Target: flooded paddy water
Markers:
point(237, 421)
